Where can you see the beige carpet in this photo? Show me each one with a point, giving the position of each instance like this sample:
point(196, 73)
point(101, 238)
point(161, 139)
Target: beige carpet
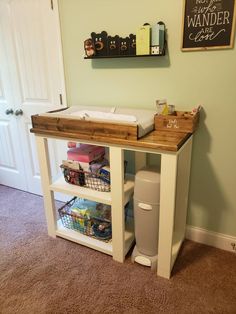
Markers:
point(39, 274)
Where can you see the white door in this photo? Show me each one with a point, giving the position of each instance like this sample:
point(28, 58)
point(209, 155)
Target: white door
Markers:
point(30, 36)
point(12, 171)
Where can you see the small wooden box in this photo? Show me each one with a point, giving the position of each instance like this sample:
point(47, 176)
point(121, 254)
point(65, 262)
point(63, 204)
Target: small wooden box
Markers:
point(180, 121)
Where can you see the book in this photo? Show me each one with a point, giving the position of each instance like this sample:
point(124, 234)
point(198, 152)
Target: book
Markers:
point(143, 40)
point(85, 153)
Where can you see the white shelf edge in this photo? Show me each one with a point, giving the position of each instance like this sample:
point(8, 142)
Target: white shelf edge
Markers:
point(104, 247)
point(72, 235)
point(60, 185)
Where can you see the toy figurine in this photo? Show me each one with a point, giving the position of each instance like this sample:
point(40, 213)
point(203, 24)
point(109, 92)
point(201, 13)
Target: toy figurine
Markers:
point(132, 44)
point(113, 45)
point(124, 45)
point(100, 43)
point(89, 47)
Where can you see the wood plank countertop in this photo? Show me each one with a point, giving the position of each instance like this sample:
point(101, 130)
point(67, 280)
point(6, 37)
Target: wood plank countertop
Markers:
point(105, 133)
point(157, 140)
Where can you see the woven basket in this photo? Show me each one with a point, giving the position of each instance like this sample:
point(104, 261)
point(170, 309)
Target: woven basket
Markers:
point(96, 227)
point(86, 179)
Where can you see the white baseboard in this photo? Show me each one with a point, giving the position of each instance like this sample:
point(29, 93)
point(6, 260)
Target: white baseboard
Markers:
point(218, 240)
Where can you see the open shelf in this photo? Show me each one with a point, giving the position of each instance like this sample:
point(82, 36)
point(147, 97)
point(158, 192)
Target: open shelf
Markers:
point(105, 247)
point(60, 185)
point(75, 236)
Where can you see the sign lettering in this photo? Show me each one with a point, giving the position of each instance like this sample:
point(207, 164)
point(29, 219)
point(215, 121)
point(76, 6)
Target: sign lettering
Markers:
point(208, 24)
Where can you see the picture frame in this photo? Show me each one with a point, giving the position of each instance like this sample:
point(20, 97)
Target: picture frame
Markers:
point(208, 24)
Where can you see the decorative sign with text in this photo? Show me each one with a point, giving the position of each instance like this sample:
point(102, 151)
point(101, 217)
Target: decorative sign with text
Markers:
point(208, 24)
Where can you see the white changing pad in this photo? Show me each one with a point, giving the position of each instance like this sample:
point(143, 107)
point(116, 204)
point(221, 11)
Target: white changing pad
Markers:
point(143, 118)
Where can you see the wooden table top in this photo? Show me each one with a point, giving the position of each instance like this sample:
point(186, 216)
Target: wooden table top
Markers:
point(157, 140)
point(109, 133)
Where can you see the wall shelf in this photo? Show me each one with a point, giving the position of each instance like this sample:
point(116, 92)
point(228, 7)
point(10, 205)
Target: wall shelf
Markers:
point(124, 56)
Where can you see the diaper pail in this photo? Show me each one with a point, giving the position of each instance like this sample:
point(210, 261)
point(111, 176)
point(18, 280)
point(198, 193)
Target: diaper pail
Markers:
point(146, 216)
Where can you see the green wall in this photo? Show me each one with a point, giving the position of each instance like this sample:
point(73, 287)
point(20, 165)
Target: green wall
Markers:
point(186, 79)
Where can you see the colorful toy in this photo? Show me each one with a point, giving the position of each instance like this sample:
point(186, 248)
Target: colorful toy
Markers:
point(89, 47)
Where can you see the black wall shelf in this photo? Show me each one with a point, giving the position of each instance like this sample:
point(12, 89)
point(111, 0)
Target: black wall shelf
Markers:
point(124, 56)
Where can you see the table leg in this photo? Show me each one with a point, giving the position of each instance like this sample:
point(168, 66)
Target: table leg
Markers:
point(48, 195)
point(117, 195)
point(167, 210)
point(181, 203)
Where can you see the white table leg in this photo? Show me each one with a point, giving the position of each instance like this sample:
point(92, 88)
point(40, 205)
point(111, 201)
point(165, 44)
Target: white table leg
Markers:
point(167, 210)
point(117, 195)
point(181, 204)
point(48, 196)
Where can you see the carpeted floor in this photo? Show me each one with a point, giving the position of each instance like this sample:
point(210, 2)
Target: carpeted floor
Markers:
point(39, 274)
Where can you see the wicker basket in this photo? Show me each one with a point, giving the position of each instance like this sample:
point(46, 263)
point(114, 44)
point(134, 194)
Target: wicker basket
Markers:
point(86, 179)
point(96, 227)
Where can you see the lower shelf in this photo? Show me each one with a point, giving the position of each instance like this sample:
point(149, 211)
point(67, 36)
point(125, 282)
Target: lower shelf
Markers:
point(104, 247)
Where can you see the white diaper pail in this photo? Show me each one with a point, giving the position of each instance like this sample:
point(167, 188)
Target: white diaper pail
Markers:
point(146, 216)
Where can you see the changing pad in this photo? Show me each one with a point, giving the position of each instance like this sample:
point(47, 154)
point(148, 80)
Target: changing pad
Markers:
point(142, 118)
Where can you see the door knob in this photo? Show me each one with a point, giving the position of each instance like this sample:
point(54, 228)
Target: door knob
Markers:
point(9, 111)
point(18, 112)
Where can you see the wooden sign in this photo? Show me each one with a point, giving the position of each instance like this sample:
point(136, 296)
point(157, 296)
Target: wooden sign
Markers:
point(208, 24)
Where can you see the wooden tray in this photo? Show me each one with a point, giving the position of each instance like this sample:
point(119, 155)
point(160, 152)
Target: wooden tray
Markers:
point(42, 123)
point(180, 121)
point(68, 129)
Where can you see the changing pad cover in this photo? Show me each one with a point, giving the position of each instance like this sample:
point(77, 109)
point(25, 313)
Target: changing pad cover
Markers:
point(143, 118)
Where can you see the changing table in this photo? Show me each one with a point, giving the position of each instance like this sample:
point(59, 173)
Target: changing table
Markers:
point(175, 151)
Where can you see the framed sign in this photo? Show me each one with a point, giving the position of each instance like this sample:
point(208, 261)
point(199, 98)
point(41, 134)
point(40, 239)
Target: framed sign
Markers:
point(208, 24)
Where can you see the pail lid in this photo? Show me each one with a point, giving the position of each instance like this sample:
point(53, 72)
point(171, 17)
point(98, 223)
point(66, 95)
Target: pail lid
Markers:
point(147, 185)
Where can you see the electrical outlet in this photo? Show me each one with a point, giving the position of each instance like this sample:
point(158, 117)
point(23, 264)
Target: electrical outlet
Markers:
point(233, 244)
